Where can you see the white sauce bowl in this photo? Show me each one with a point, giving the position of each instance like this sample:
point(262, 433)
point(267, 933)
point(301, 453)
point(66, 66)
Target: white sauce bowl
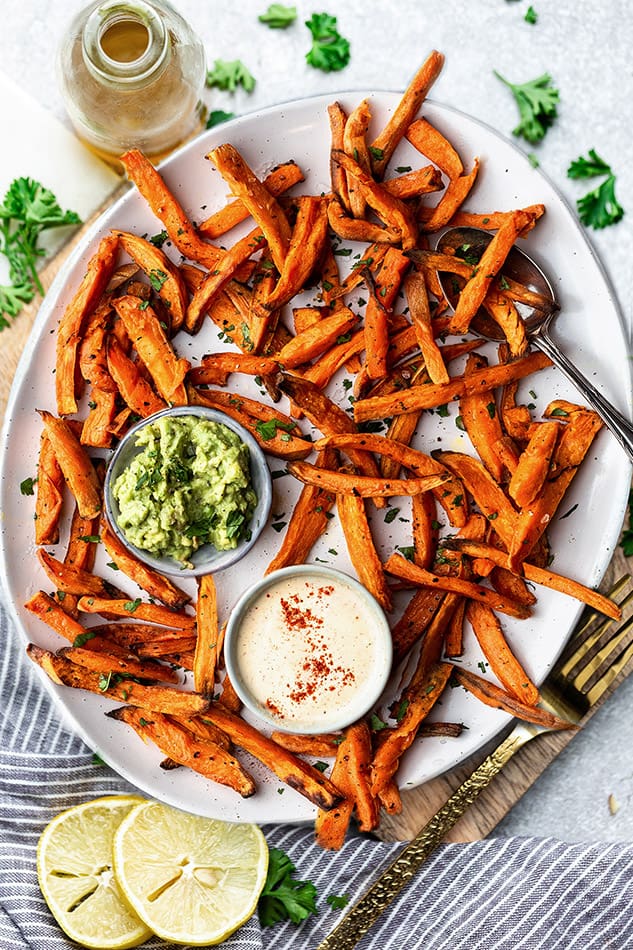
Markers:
point(308, 649)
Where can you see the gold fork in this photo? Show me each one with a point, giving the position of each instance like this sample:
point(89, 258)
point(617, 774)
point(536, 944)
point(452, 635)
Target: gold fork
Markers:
point(593, 659)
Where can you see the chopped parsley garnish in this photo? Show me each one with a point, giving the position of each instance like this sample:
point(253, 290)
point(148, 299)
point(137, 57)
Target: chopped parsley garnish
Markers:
point(283, 897)
point(228, 75)
point(157, 278)
point(90, 538)
point(321, 766)
point(132, 605)
point(26, 486)
point(268, 429)
point(330, 51)
point(531, 16)
point(598, 208)
point(391, 515)
point(537, 101)
point(376, 724)
point(159, 239)
point(278, 16)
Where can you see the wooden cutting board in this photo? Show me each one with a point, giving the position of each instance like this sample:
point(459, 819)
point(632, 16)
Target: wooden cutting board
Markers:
point(421, 803)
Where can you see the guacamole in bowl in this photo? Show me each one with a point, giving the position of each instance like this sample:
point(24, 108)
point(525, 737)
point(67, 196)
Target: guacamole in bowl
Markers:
point(188, 489)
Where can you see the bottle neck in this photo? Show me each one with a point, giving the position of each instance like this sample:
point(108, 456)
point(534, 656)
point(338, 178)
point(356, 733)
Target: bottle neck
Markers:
point(125, 43)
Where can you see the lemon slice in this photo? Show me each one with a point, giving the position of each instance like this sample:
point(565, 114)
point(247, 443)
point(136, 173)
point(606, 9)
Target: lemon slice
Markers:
point(192, 880)
point(74, 869)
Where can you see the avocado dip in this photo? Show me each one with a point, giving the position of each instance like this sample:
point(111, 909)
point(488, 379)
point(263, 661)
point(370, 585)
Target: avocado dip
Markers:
point(189, 485)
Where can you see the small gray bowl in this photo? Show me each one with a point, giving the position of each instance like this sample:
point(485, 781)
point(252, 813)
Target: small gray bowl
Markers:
point(207, 559)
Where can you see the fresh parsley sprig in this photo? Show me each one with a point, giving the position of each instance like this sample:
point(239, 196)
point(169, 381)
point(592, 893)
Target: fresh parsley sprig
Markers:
point(278, 16)
point(283, 897)
point(330, 51)
point(28, 208)
point(537, 101)
point(229, 74)
point(598, 208)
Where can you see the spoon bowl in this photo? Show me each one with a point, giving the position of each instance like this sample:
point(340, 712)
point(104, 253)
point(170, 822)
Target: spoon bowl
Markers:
point(538, 314)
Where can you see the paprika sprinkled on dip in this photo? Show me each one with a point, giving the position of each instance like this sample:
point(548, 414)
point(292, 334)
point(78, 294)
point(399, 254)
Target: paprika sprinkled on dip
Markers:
point(308, 649)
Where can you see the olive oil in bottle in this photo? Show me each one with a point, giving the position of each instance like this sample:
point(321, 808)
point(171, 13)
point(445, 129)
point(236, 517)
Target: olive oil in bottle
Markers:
point(132, 74)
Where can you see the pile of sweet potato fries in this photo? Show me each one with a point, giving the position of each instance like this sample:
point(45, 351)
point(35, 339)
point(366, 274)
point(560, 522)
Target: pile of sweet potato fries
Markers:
point(117, 358)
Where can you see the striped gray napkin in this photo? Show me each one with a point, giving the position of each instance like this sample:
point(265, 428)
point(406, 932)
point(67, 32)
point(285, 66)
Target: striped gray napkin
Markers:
point(499, 894)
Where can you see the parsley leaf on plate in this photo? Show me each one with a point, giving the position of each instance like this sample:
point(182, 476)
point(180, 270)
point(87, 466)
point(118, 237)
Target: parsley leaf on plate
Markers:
point(537, 100)
point(598, 208)
point(278, 16)
point(330, 50)
point(283, 897)
point(229, 74)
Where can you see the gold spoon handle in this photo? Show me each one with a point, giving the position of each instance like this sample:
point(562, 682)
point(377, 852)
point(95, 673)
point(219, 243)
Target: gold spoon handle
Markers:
point(362, 916)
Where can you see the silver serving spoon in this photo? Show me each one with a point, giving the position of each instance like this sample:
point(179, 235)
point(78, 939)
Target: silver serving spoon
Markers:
point(470, 243)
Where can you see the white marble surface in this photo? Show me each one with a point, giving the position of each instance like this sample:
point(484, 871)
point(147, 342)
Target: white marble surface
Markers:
point(586, 47)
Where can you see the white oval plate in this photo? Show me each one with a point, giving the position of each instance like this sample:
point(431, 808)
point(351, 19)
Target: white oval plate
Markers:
point(591, 333)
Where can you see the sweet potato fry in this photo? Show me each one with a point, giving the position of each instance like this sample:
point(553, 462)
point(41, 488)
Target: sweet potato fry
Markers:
point(305, 248)
point(286, 766)
point(372, 259)
point(53, 614)
point(157, 586)
point(383, 292)
point(100, 269)
point(204, 756)
point(120, 662)
point(398, 739)
point(338, 119)
point(415, 620)
point(162, 274)
point(507, 583)
point(351, 774)
point(277, 433)
point(161, 200)
point(218, 278)
point(400, 567)
point(215, 369)
point(207, 644)
point(573, 444)
point(531, 472)
point(419, 181)
point(417, 298)
point(361, 548)
point(492, 260)
point(454, 640)
point(362, 486)
point(79, 472)
point(154, 613)
point(492, 220)
point(165, 699)
point(539, 575)
point(393, 212)
point(150, 340)
point(359, 229)
point(430, 142)
point(481, 420)
point(428, 397)
point(97, 428)
point(424, 529)
point(458, 189)
point(322, 371)
point(504, 313)
point(384, 145)
point(503, 662)
point(307, 523)
point(263, 207)
point(322, 745)
point(135, 390)
point(73, 580)
point(49, 496)
point(355, 145)
point(451, 493)
point(278, 181)
point(492, 695)
point(318, 338)
point(92, 359)
point(490, 498)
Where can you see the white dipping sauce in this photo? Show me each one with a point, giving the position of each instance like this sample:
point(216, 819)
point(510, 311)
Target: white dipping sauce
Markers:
point(313, 652)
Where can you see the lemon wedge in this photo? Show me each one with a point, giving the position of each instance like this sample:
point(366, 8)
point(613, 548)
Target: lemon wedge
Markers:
point(74, 869)
point(192, 880)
